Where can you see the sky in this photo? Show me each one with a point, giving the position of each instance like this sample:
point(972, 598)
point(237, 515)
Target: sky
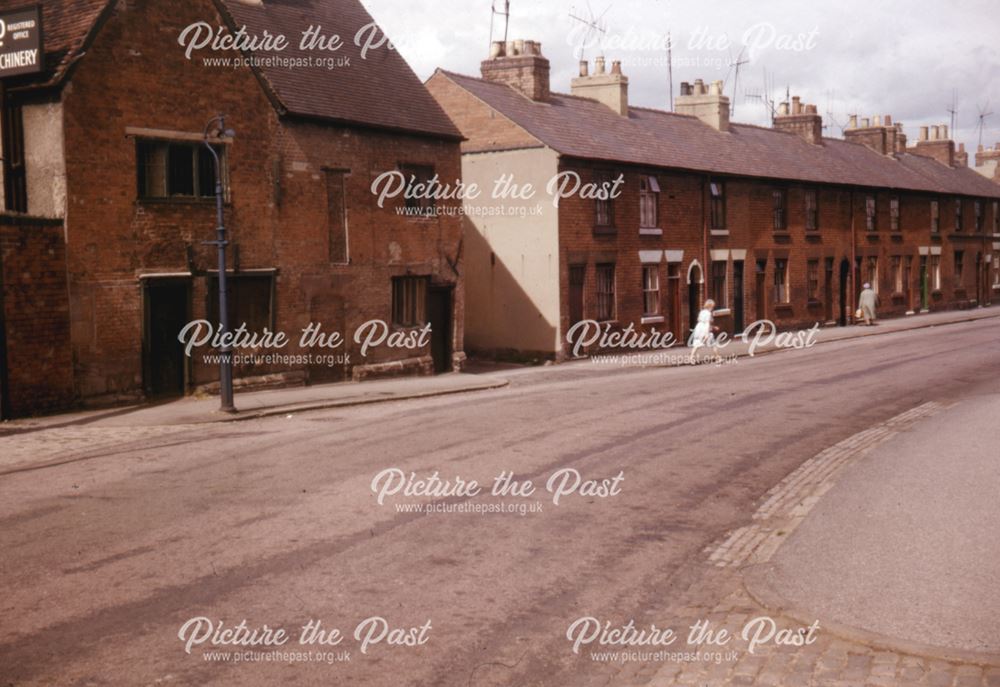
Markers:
point(910, 60)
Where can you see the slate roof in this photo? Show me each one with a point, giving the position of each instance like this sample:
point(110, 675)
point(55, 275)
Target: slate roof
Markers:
point(584, 128)
point(380, 90)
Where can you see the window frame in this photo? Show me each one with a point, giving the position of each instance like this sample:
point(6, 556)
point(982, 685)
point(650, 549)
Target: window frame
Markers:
point(871, 271)
point(408, 300)
point(977, 206)
point(651, 290)
point(602, 270)
point(812, 280)
point(811, 209)
point(649, 195)
point(144, 145)
point(896, 271)
point(779, 214)
point(871, 212)
point(935, 272)
point(935, 210)
point(894, 214)
point(717, 205)
point(781, 291)
point(719, 295)
point(959, 224)
point(602, 179)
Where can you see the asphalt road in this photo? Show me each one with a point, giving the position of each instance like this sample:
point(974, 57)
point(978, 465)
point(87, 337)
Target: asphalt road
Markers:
point(107, 554)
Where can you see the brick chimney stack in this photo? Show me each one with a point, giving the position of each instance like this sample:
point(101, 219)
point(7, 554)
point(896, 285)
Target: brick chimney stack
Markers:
point(878, 133)
point(988, 162)
point(610, 89)
point(706, 103)
point(935, 143)
point(800, 119)
point(519, 64)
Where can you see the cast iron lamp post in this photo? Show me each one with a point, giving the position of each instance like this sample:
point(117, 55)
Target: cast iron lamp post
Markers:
point(225, 352)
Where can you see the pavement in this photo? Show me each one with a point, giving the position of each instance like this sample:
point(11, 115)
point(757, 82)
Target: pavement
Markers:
point(903, 546)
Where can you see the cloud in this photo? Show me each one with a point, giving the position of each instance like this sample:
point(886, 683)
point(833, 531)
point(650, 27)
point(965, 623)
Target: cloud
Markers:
point(901, 58)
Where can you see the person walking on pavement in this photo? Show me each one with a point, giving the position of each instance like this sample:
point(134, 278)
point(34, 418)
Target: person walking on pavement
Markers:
point(867, 304)
point(702, 334)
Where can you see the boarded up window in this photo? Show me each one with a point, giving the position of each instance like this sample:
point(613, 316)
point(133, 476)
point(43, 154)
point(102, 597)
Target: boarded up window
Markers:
point(336, 215)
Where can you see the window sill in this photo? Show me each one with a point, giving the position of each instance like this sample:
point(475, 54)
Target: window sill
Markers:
point(722, 312)
point(719, 232)
point(207, 201)
point(605, 231)
point(652, 319)
point(783, 306)
point(650, 231)
point(814, 303)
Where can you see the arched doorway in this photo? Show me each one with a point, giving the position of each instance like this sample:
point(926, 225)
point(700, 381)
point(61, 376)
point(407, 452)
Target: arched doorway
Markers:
point(695, 280)
point(845, 275)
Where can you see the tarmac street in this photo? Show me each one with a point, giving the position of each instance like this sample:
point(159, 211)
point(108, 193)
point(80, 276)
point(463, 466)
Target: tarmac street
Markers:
point(347, 545)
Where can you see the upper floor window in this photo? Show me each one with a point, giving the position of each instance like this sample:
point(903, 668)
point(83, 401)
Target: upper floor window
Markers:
point(812, 210)
point(935, 216)
point(978, 207)
point(778, 209)
point(649, 195)
point(419, 193)
point(603, 205)
point(894, 214)
point(717, 205)
point(177, 169)
point(15, 179)
point(870, 208)
point(958, 214)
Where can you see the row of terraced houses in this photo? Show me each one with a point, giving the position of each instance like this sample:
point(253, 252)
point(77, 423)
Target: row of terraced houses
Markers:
point(108, 196)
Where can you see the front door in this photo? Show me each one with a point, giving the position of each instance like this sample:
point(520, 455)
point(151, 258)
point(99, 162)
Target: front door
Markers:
point(167, 312)
point(439, 317)
point(738, 317)
point(845, 272)
point(674, 299)
point(694, 296)
point(760, 290)
point(577, 274)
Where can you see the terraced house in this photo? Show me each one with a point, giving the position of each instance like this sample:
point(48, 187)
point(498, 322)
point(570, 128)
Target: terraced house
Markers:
point(778, 223)
point(109, 201)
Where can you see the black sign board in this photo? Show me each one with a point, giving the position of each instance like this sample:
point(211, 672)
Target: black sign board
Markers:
point(21, 41)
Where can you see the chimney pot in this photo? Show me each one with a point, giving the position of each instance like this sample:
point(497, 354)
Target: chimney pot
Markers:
point(888, 120)
point(599, 64)
point(852, 122)
point(923, 133)
point(944, 131)
point(796, 105)
point(519, 47)
point(864, 122)
point(496, 49)
point(811, 109)
point(584, 67)
point(783, 109)
point(716, 88)
point(699, 87)
point(876, 121)
point(685, 88)
point(616, 67)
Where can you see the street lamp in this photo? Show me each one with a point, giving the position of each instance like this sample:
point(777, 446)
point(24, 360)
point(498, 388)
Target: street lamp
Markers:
point(225, 352)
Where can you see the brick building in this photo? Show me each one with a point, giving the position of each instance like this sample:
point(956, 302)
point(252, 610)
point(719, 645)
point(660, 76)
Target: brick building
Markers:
point(776, 223)
point(108, 142)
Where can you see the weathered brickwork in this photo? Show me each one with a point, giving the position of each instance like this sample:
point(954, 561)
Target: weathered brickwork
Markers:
point(34, 320)
point(133, 83)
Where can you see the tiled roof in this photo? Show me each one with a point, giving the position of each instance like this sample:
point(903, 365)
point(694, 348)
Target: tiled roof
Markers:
point(66, 27)
point(380, 90)
point(584, 128)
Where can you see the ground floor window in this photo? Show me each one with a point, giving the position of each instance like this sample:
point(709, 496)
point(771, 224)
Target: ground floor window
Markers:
point(871, 272)
point(781, 294)
point(959, 268)
point(719, 290)
point(605, 274)
point(409, 297)
point(812, 279)
point(936, 272)
point(897, 274)
point(650, 290)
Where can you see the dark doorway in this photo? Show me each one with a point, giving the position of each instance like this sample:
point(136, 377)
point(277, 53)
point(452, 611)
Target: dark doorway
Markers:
point(908, 282)
point(439, 317)
point(738, 316)
point(828, 289)
point(674, 299)
point(925, 296)
point(979, 280)
point(694, 295)
point(760, 291)
point(167, 312)
point(845, 271)
point(577, 274)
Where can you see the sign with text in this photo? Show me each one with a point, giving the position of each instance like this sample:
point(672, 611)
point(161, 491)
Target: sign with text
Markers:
point(20, 41)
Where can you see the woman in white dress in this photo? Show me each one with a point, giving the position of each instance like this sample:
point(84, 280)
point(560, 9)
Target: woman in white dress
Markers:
point(702, 334)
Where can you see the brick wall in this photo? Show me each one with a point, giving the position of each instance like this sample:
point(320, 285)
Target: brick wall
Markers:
point(134, 76)
point(34, 317)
